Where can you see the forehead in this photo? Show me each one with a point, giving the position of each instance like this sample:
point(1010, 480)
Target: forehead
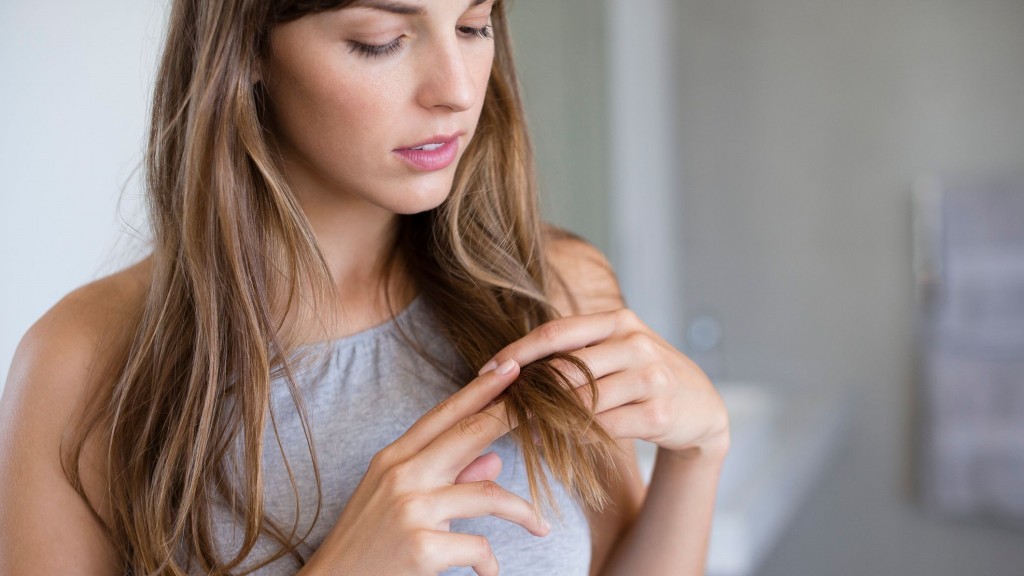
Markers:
point(396, 7)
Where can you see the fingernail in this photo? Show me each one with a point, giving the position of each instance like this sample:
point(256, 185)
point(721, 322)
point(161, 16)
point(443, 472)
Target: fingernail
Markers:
point(487, 367)
point(547, 525)
point(506, 367)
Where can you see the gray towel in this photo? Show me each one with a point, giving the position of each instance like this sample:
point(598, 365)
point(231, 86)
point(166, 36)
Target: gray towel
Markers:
point(970, 268)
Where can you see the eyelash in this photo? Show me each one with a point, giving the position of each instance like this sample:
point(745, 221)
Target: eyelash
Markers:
point(374, 51)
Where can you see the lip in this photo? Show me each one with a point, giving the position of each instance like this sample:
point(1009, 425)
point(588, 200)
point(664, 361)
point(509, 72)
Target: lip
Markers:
point(435, 139)
point(431, 160)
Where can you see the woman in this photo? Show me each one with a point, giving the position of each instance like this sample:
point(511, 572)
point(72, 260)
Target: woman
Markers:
point(345, 229)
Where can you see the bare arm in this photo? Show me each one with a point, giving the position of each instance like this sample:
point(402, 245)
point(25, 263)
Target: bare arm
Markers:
point(670, 536)
point(665, 527)
point(45, 526)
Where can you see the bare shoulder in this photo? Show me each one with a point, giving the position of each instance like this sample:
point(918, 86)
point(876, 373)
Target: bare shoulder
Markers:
point(74, 335)
point(583, 281)
point(60, 358)
point(57, 367)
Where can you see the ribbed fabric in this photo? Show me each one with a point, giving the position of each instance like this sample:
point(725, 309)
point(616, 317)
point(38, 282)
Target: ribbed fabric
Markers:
point(360, 395)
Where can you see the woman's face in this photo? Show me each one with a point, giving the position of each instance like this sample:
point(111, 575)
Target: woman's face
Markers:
point(350, 90)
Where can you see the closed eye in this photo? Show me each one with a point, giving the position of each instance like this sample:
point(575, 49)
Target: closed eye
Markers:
point(374, 50)
point(485, 32)
point(381, 50)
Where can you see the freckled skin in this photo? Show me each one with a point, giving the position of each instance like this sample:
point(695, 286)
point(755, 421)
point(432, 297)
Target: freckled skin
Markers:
point(338, 114)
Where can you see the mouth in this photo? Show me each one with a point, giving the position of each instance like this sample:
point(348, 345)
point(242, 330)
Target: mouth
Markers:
point(434, 142)
point(434, 153)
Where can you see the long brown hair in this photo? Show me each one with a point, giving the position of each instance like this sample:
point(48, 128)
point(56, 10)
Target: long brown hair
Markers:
point(234, 258)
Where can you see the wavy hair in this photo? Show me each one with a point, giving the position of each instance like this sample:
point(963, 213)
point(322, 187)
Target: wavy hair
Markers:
point(235, 262)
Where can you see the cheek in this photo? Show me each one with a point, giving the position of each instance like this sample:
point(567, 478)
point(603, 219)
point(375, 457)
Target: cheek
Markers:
point(355, 101)
point(482, 73)
point(342, 119)
point(325, 109)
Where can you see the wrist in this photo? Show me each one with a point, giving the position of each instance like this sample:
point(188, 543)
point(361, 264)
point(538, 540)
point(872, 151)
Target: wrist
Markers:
point(712, 451)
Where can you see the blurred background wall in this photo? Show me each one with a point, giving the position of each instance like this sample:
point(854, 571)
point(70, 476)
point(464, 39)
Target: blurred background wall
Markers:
point(804, 124)
point(561, 59)
point(801, 128)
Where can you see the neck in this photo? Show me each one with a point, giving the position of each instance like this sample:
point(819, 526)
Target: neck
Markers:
point(356, 238)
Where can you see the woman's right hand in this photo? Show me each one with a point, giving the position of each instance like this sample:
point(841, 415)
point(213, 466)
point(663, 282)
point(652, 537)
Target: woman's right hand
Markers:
point(397, 520)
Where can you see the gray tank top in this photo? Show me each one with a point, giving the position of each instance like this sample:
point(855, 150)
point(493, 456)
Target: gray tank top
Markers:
point(360, 395)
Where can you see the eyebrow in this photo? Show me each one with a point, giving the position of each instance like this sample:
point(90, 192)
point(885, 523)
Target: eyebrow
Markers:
point(399, 8)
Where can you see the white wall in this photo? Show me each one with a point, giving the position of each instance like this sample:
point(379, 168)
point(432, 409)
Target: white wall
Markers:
point(73, 111)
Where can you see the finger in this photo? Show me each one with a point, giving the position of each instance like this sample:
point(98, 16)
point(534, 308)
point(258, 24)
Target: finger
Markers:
point(602, 359)
point(455, 448)
point(486, 467)
point(564, 334)
point(619, 389)
point(468, 400)
point(444, 550)
point(452, 452)
point(486, 498)
point(629, 421)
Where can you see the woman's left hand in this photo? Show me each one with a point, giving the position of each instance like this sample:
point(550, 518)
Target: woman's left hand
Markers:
point(646, 388)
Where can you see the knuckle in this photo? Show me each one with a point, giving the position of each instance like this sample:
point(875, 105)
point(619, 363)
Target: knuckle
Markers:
point(383, 460)
point(724, 420)
point(657, 376)
point(626, 318)
point(483, 548)
point(641, 343)
point(399, 477)
point(412, 510)
point(443, 408)
point(491, 490)
point(550, 331)
point(472, 425)
point(424, 547)
point(726, 431)
point(723, 424)
point(658, 415)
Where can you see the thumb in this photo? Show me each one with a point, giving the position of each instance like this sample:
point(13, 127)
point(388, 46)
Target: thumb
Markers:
point(486, 467)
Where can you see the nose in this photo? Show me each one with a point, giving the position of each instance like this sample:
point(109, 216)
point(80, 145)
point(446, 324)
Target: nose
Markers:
point(446, 78)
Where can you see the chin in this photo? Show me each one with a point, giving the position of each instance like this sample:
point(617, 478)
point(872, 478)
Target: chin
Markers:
point(416, 199)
